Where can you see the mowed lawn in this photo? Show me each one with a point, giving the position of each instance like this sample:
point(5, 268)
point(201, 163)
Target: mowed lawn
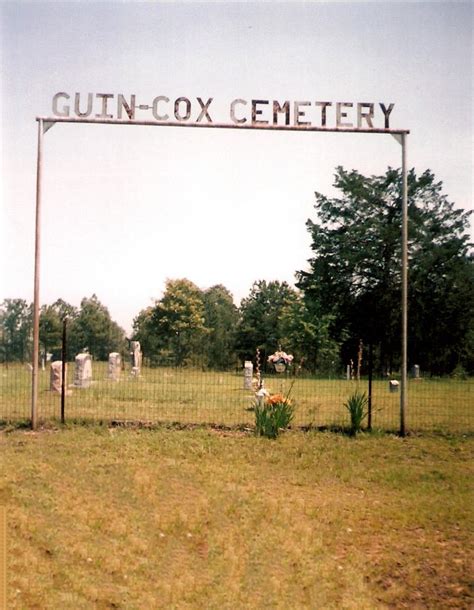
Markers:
point(102, 517)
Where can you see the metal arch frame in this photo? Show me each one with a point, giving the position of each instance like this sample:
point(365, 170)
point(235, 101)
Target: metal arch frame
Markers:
point(45, 123)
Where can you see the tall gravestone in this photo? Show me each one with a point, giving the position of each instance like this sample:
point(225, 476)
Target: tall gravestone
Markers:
point(135, 358)
point(56, 378)
point(248, 375)
point(83, 371)
point(115, 365)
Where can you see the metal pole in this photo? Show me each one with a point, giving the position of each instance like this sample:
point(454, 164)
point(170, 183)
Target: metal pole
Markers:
point(63, 370)
point(35, 363)
point(245, 127)
point(403, 388)
point(369, 400)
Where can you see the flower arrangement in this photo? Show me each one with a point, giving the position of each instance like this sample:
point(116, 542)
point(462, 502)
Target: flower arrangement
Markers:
point(280, 360)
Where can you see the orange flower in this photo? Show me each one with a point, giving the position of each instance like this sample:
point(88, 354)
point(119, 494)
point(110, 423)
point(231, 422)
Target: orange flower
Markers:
point(276, 398)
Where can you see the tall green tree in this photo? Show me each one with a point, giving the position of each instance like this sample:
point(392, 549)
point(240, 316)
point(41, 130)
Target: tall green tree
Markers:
point(65, 310)
point(50, 330)
point(306, 335)
point(16, 324)
point(354, 274)
point(145, 332)
point(220, 319)
point(177, 323)
point(260, 318)
point(93, 329)
point(51, 325)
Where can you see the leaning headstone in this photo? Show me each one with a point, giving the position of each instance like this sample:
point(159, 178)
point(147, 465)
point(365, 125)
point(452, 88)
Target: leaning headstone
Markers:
point(83, 371)
point(115, 366)
point(55, 379)
point(393, 385)
point(248, 375)
point(135, 358)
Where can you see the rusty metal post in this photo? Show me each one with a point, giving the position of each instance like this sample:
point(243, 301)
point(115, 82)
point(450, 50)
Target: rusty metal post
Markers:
point(403, 384)
point(35, 356)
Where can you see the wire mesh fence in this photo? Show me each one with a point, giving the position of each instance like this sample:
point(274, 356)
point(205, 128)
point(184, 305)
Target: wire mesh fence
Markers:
point(189, 395)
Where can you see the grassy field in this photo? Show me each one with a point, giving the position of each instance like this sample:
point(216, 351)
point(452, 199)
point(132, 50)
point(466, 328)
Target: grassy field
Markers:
point(193, 396)
point(106, 518)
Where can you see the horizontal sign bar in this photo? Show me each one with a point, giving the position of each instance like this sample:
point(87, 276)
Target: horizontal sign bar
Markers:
point(360, 116)
point(220, 125)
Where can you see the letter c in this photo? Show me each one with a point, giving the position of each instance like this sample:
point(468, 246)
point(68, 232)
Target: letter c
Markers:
point(156, 101)
point(232, 111)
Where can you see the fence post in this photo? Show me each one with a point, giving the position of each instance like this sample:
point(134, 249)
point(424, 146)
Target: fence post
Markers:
point(63, 369)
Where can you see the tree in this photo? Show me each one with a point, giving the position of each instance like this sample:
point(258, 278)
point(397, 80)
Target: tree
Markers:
point(50, 330)
point(64, 310)
point(354, 275)
point(144, 332)
point(94, 330)
point(16, 323)
point(51, 325)
point(260, 318)
point(177, 323)
point(306, 335)
point(220, 319)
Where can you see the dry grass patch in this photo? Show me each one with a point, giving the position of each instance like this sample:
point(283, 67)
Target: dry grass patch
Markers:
point(133, 519)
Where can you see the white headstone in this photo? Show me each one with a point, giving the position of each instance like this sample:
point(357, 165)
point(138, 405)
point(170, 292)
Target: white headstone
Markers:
point(56, 378)
point(393, 385)
point(135, 357)
point(114, 368)
point(83, 371)
point(248, 375)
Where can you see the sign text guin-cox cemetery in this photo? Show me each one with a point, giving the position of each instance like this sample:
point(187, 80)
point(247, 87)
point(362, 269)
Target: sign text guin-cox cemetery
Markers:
point(299, 114)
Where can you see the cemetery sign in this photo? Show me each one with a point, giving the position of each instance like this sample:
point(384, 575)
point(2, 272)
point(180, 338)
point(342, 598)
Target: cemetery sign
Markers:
point(242, 113)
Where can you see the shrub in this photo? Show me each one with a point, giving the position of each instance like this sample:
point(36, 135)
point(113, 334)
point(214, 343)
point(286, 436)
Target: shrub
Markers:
point(357, 407)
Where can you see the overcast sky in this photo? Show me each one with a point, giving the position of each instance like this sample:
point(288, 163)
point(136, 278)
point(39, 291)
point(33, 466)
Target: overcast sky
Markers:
point(125, 207)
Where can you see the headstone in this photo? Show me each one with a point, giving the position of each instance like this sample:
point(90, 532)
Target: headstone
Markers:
point(393, 385)
point(55, 379)
point(135, 358)
point(248, 375)
point(115, 366)
point(83, 371)
point(415, 371)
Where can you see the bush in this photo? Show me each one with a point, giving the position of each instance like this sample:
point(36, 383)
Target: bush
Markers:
point(357, 407)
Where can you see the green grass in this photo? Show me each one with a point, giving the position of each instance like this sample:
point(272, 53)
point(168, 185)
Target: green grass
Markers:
point(103, 517)
point(193, 396)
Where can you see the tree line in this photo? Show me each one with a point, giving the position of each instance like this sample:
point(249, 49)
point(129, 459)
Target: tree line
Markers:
point(348, 296)
point(89, 327)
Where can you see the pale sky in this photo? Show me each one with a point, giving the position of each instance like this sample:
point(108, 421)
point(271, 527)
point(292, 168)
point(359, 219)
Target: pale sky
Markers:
point(124, 208)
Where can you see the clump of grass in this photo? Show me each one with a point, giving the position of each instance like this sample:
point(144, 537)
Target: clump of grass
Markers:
point(357, 407)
